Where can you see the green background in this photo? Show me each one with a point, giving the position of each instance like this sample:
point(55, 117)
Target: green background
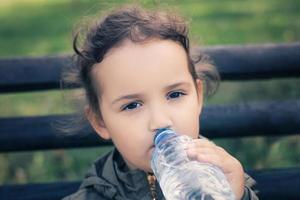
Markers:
point(44, 27)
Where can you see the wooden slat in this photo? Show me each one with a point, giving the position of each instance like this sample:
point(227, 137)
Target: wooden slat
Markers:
point(256, 61)
point(37, 133)
point(251, 119)
point(42, 191)
point(266, 119)
point(276, 184)
point(233, 62)
point(28, 74)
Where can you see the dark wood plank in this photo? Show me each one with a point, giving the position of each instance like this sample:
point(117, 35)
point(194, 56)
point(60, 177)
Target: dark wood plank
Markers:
point(251, 62)
point(41, 191)
point(37, 133)
point(36, 73)
point(277, 184)
point(233, 62)
point(274, 184)
point(253, 119)
point(272, 118)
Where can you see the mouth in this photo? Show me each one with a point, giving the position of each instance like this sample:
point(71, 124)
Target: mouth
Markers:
point(151, 149)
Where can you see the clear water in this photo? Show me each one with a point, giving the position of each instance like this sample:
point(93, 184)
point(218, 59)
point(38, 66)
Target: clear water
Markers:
point(181, 178)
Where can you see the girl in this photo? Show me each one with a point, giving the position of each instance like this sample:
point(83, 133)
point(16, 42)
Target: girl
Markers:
point(138, 74)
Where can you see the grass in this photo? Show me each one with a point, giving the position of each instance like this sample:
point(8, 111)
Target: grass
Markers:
point(43, 27)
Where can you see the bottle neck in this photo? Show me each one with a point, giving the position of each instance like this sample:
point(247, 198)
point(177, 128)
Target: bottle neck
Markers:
point(162, 135)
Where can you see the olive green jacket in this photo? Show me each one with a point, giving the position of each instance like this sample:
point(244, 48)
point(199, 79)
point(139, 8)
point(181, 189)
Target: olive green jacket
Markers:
point(110, 178)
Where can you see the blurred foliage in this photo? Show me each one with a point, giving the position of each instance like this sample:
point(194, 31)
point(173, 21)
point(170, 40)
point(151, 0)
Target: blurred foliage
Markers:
point(47, 166)
point(37, 27)
point(43, 27)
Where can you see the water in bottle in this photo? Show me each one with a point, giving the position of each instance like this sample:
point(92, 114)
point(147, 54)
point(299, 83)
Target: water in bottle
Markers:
point(181, 178)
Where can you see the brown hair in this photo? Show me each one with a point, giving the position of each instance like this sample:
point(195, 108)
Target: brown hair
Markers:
point(137, 25)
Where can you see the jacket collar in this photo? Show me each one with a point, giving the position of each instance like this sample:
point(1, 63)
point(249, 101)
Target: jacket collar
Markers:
point(111, 177)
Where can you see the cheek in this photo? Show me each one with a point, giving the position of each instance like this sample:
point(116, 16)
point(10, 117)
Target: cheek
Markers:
point(191, 108)
point(188, 118)
point(125, 130)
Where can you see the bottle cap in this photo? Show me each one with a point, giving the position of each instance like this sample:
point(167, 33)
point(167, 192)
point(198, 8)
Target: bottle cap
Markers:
point(160, 134)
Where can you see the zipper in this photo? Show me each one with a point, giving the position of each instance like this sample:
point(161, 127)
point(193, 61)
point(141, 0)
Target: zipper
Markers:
point(151, 180)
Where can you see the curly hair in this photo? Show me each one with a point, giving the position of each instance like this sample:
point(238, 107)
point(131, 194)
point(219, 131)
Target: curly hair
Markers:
point(137, 25)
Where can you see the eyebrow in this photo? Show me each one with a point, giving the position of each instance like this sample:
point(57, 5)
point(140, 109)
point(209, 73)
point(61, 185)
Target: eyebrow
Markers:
point(137, 95)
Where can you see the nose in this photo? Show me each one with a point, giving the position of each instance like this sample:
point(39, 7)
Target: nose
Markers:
point(159, 118)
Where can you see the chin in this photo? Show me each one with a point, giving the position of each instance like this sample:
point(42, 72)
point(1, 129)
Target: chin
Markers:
point(148, 169)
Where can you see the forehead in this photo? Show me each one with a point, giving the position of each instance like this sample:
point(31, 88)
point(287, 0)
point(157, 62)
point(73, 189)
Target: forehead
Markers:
point(133, 67)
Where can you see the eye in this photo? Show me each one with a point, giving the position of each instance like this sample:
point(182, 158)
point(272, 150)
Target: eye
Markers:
point(174, 95)
point(131, 106)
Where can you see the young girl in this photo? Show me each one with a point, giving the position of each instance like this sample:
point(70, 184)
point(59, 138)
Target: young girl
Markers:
point(138, 74)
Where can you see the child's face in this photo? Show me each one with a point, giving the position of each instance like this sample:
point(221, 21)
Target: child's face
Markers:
point(145, 87)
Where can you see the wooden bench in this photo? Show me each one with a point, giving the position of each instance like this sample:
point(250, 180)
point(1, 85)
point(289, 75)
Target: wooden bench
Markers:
point(247, 62)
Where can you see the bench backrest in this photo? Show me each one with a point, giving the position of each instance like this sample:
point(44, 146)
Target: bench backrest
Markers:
point(247, 62)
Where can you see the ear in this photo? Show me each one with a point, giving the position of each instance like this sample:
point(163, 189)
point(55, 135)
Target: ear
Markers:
point(97, 123)
point(199, 88)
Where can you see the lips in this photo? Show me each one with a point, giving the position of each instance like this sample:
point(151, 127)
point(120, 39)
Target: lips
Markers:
point(151, 149)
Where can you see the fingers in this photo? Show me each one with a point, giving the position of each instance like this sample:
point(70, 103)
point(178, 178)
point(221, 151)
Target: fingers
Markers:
point(203, 143)
point(208, 156)
point(206, 151)
point(201, 146)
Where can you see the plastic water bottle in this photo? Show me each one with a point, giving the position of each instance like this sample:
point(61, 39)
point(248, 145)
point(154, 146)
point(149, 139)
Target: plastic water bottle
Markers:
point(181, 178)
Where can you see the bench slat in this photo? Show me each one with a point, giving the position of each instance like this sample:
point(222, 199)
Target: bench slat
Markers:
point(277, 184)
point(250, 62)
point(40, 133)
point(265, 119)
point(30, 74)
point(234, 63)
point(44, 191)
point(274, 184)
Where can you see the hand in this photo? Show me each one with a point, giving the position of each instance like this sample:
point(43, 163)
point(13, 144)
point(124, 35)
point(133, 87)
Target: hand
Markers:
point(204, 150)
